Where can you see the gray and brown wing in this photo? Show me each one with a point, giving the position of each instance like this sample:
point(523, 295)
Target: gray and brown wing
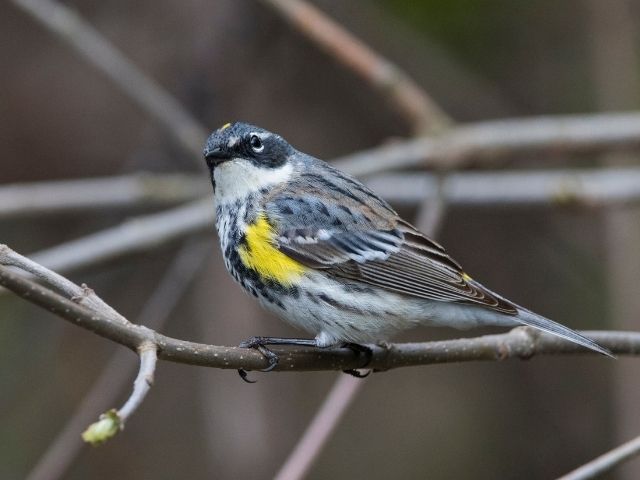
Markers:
point(377, 249)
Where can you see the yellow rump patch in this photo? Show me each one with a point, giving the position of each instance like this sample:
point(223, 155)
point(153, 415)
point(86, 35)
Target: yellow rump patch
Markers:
point(466, 277)
point(261, 255)
point(225, 126)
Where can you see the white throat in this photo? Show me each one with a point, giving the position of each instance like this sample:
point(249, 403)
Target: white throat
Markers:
point(238, 178)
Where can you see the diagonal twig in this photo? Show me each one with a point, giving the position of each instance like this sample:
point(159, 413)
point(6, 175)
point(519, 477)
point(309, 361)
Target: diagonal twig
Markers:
point(605, 463)
point(148, 357)
point(111, 422)
point(139, 87)
point(135, 235)
point(422, 113)
point(324, 422)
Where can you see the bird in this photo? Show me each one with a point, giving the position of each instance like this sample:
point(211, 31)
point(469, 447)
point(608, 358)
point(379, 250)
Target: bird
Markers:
point(323, 252)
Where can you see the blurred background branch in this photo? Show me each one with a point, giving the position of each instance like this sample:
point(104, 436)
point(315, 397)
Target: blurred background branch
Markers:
point(606, 187)
point(495, 142)
point(141, 89)
point(605, 463)
point(603, 187)
point(134, 235)
point(88, 194)
point(421, 112)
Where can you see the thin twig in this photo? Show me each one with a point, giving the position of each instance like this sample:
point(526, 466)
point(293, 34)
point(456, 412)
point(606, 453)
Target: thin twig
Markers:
point(409, 98)
point(66, 446)
point(318, 432)
point(113, 421)
point(135, 235)
point(486, 143)
point(605, 463)
point(142, 384)
point(433, 209)
point(136, 85)
point(137, 190)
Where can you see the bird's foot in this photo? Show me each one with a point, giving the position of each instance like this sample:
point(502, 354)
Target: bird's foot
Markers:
point(260, 344)
point(359, 349)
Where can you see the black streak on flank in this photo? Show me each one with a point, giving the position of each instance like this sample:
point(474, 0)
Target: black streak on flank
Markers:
point(345, 209)
point(324, 209)
point(338, 305)
point(286, 210)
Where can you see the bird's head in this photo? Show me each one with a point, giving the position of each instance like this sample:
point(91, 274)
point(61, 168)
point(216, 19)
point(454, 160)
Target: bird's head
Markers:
point(243, 159)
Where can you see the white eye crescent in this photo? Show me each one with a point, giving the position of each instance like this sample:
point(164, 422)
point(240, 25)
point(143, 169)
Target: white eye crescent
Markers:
point(256, 143)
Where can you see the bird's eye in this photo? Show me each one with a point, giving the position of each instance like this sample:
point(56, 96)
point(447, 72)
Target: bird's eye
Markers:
point(256, 144)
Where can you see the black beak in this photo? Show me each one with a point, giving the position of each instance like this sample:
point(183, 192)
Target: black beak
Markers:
point(216, 156)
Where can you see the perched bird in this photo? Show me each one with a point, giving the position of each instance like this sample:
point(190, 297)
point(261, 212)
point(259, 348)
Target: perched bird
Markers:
point(328, 255)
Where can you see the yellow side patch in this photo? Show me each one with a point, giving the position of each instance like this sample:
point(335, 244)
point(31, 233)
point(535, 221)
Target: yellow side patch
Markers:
point(261, 255)
point(225, 126)
point(466, 277)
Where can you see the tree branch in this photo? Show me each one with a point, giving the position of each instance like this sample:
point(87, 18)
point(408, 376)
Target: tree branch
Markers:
point(408, 97)
point(518, 343)
point(488, 142)
point(81, 295)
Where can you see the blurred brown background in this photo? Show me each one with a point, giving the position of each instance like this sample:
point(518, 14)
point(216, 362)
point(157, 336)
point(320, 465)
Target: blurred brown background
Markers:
point(235, 59)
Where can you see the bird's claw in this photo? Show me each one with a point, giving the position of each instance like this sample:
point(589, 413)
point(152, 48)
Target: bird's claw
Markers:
point(258, 344)
point(253, 342)
point(355, 373)
point(244, 375)
point(358, 349)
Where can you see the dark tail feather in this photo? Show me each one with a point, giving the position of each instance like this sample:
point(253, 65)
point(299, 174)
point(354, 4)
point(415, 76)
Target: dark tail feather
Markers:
point(531, 319)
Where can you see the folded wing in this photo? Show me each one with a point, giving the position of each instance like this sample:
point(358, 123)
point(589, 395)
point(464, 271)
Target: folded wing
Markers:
point(376, 247)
